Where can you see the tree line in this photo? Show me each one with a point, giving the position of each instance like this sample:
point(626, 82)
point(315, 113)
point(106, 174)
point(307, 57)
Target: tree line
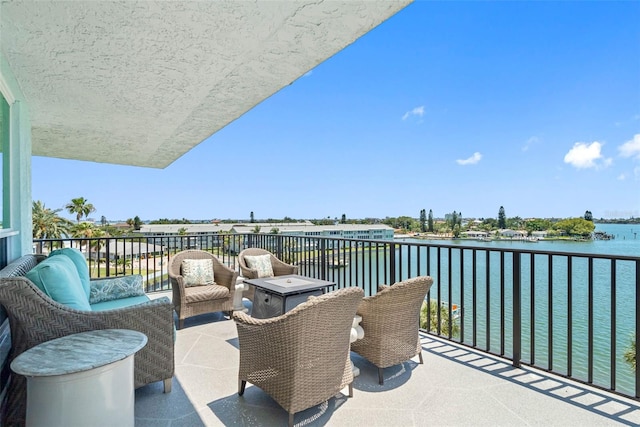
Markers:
point(453, 224)
point(48, 224)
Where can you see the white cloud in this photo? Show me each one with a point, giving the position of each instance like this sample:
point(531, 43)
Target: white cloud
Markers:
point(471, 160)
point(584, 156)
point(622, 177)
point(418, 111)
point(631, 148)
point(530, 142)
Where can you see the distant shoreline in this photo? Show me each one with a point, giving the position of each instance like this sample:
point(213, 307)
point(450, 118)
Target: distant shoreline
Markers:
point(492, 239)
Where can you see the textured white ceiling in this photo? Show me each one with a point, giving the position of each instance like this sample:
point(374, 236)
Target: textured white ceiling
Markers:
point(143, 82)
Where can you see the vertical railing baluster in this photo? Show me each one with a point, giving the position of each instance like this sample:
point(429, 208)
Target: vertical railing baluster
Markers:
point(550, 312)
point(362, 266)
point(570, 315)
point(409, 251)
point(449, 293)
point(461, 303)
point(612, 326)
point(590, 322)
point(323, 259)
point(474, 296)
point(399, 268)
point(502, 303)
point(108, 260)
point(371, 280)
point(488, 300)
point(392, 263)
point(517, 312)
point(438, 296)
point(532, 305)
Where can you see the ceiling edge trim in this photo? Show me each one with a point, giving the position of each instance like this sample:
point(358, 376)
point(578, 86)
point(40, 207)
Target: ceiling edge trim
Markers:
point(6, 92)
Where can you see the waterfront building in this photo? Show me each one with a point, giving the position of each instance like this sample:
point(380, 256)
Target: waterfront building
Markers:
point(191, 232)
point(474, 234)
point(513, 234)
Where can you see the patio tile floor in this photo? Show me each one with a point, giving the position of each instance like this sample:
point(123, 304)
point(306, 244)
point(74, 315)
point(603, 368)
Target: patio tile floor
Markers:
point(455, 386)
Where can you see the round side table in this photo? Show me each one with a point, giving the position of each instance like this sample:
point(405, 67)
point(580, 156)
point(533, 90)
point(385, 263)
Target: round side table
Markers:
point(81, 379)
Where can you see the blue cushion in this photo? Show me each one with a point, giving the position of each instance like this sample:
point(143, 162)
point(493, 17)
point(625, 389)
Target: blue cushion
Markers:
point(111, 288)
point(119, 303)
point(80, 263)
point(58, 278)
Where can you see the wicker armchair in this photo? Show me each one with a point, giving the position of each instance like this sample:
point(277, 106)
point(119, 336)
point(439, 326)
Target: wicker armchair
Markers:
point(190, 301)
point(300, 358)
point(35, 318)
point(391, 319)
point(280, 268)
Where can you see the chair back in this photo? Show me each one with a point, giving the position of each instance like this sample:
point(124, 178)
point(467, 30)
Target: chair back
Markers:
point(247, 272)
point(391, 320)
point(175, 265)
point(305, 351)
point(403, 300)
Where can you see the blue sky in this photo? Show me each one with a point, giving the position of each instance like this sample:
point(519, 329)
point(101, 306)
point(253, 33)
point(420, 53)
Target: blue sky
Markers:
point(465, 106)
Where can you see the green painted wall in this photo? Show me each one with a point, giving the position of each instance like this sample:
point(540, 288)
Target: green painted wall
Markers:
point(16, 173)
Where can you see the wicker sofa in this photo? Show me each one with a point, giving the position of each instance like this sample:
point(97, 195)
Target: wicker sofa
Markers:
point(34, 318)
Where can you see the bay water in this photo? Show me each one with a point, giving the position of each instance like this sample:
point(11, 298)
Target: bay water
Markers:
point(543, 303)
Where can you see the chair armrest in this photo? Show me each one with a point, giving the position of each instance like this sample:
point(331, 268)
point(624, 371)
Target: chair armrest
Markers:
point(281, 268)
point(244, 319)
point(177, 287)
point(224, 276)
point(248, 273)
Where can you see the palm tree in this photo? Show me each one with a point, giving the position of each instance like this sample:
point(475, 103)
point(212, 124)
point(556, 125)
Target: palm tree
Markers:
point(96, 245)
point(431, 323)
point(47, 224)
point(630, 354)
point(84, 229)
point(124, 263)
point(137, 223)
point(182, 231)
point(81, 207)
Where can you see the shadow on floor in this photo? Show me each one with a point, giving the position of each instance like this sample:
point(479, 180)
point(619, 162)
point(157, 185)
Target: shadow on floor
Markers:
point(255, 407)
point(620, 409)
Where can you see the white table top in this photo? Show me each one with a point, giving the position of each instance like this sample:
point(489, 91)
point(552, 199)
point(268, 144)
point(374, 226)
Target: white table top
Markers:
point(78, 352)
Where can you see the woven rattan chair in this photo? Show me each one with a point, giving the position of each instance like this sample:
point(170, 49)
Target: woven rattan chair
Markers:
point(190, 301)
point(280, 268)
point(391, 319)
point(35, 318)
point(300, 358)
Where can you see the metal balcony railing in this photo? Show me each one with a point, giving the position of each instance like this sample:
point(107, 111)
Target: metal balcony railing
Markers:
point(573, 314)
